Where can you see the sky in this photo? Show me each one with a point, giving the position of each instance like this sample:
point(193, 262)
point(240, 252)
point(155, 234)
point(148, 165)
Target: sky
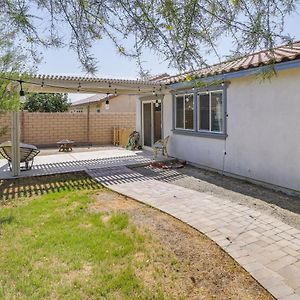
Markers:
point(113, 65)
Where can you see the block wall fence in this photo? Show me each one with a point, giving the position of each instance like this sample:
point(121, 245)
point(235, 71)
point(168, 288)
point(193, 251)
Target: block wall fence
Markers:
point(45, 129)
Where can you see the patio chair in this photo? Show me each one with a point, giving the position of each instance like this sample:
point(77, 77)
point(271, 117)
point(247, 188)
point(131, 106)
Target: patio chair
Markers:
point(27, 154)
point(161, 145)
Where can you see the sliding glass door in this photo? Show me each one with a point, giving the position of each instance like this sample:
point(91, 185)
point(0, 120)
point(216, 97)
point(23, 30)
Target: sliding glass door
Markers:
point(152, 123)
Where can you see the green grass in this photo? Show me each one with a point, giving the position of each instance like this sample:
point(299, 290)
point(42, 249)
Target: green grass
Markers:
point(54, 246)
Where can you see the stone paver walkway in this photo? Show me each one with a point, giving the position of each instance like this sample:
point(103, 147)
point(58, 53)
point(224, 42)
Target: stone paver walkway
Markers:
point(266, 247)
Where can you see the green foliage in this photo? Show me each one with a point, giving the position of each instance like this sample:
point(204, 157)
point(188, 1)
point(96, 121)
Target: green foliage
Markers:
point(181, 32)
point(56, 102)
point(11, 65)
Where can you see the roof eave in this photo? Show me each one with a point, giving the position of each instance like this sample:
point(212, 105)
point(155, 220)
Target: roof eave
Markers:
point(237, 74)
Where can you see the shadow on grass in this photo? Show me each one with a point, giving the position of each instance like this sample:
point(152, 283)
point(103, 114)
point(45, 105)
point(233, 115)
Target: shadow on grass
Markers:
point(34, 186)
point(6, 220)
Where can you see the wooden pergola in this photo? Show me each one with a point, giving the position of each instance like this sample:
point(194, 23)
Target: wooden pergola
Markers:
point(76, 84)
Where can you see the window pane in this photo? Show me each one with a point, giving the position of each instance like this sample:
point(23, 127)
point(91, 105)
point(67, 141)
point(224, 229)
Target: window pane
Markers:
point(217, 112)
point(179, 112)
point(204, 112)
point(189, 111)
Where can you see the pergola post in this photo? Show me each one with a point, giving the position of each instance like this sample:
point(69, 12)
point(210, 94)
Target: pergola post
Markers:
point(15, 139)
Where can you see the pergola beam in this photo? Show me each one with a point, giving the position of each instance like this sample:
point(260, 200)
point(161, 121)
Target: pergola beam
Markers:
point(70, 84)
point(15, 138)
point(73, 84)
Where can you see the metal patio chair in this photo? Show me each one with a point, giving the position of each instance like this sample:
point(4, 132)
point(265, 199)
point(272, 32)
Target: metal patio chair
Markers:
point(27, 154)
point(161, 145)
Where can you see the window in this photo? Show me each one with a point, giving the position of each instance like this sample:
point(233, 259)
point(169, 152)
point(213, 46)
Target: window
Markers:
point(184, 111)
point(211, 111)
point(201, 113)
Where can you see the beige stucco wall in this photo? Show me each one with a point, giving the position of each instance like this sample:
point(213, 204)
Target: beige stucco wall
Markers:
point(121, 103)
point(263, 124)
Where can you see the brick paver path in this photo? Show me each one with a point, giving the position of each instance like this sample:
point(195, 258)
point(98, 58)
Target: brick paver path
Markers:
point(266, 247)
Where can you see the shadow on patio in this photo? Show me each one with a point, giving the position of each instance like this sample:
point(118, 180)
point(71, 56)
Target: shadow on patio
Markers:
point(74, 162)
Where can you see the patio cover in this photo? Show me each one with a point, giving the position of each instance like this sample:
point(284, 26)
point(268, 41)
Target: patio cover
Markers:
point(90, 85)
point(76, 84)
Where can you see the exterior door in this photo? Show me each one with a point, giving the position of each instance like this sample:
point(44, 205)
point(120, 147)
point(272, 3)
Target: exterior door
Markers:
point(151, 123)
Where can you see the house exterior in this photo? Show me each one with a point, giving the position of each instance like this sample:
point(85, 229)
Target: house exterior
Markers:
point(96, 104)
point(228, 118)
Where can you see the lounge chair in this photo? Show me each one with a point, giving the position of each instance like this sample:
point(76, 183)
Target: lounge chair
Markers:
point(161, 145)
point(27, 154)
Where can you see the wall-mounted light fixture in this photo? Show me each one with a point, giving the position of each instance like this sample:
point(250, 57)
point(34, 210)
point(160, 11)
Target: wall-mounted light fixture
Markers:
point(107, 101)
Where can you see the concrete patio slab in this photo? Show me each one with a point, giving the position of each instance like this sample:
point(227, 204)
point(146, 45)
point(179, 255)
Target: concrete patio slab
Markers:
point(266, 247)
point(81, 161)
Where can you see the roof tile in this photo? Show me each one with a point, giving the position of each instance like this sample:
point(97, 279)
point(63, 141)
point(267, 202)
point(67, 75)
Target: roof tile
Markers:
point(282, 53)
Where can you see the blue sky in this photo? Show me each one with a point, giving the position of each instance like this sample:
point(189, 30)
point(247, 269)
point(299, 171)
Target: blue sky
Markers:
point(112, 64)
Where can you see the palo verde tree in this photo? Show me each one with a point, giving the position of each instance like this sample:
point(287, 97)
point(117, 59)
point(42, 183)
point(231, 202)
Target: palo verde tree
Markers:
point(182, 32)
point(11, 65)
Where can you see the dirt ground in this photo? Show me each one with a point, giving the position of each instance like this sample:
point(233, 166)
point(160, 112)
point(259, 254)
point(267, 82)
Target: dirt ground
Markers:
point(281, 206)
point(184, 263)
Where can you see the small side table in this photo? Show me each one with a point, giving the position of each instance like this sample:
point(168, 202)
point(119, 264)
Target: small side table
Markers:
point(65, 145)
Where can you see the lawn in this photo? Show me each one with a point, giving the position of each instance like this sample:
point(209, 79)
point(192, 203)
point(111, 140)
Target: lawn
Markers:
point(70, 238)
point(53, 246)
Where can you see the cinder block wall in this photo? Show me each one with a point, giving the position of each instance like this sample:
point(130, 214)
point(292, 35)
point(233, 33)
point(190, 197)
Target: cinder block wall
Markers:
point(101, 128)
point(5, 122)
point(48, 128)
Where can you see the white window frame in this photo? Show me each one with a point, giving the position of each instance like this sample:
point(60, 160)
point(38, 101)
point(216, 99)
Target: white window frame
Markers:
point(198, 111)
point(184, 102)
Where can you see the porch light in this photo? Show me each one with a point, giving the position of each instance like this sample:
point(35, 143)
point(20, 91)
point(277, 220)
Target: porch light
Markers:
point(156, 101)
point(22, 94)
point(107, 102)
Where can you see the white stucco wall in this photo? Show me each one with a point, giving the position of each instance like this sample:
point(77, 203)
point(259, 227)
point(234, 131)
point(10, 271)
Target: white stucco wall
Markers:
point(263, 129)
point(167, 115)
point(138, 115)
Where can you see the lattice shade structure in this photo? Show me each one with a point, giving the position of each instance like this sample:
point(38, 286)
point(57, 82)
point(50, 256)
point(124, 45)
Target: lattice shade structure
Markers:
point(89, 85)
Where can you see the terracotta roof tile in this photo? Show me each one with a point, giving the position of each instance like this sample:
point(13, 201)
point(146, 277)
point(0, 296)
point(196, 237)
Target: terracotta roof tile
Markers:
point(265, 57)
